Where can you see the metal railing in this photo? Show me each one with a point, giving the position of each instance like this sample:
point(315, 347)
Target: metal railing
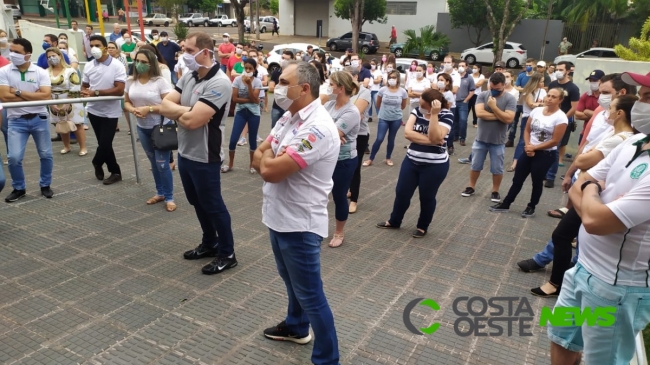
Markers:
point(640, 356)
point(22, 104)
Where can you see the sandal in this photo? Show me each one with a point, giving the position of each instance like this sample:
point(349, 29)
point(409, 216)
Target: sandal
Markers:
point(225, 169)
point(367, 163)
point(510, 169)
point(156, 199)
point(389, 163)
point(385, 225)
point(557, 213)
point(170, 206)
point(541, 293)
point(336, 241)
point(83, 152)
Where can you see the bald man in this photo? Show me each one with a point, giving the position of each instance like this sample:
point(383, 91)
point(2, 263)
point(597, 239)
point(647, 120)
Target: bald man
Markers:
point(116, 32)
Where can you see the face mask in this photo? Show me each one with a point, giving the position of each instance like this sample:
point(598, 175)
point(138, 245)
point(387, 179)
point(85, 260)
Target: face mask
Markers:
point(63, 41)
point(96, 52)
point(46, 46)
point(330, 90)
point(461, 70)
point(475, 70)
point(447, 67)
point(389, 69)
point(495, 93)
point(640, 116)
point(430, 70)
point(17, 59)
point(441, 85)
point(373, 67)
point(248, 74)
point(3, 40)
point(593, 86)
point(281, 98)
point(412, 67)
point(239, 51)
point(392, 82)
point(609, 119)
point(155, 37)
point(419, 74)
point(244, 58)
point(54, 60)
point(164, 39)
point(64, 51)
point(127, 40)
point(355, 63)
point(559, 75)
point(508, 80)
point(190, 61)
point(142, 68)
point(347, 64)
point(529, 68)
point(383, 59)
point(284, 63)
point(604, 100)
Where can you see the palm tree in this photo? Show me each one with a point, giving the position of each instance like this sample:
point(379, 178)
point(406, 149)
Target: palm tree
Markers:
point(428, 40)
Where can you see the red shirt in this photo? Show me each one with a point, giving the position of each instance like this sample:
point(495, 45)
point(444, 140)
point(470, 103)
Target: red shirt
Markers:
point(232, 61)
point(587, 102)
point(226, 48)
point(393, 33)
point(3, 61)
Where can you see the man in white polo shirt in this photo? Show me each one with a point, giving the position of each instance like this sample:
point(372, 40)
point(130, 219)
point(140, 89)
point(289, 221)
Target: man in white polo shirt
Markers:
point(23, 80)
point(104, 76)
point(296, 162)
point(612, 269)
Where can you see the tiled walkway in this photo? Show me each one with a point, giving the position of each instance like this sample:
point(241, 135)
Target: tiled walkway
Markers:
point(96, 276)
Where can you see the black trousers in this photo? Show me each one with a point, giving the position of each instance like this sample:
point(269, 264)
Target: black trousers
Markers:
point(563, 235)
point(105, 132)
point(355, 185)
point(536, 167)
point(472, 108)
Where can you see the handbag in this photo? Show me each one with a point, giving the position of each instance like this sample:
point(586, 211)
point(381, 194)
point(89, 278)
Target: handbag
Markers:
point(164, 137)
point(65, 127)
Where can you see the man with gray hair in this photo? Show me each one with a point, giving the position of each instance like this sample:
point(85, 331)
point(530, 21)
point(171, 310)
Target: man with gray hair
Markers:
point(296, 162)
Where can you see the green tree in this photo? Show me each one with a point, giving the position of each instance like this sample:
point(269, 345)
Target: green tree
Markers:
point(209, 6)
point(172, 6)
point(359, 12)
point(503, 17)
point(428, 39)
point(274, 6)
point(469, 14)
point(639, 47)
point(180, 29)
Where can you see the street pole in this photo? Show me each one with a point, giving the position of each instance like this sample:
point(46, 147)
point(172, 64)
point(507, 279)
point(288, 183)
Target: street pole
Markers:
point(140, 19)
point(548, 19)
point(257, 17)
point(56, 13)
point(128, 17)
point(67, 13)
point(87, 11)
point(100, 17)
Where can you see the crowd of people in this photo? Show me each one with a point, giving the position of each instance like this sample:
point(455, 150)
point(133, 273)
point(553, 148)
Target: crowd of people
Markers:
point(320, 134)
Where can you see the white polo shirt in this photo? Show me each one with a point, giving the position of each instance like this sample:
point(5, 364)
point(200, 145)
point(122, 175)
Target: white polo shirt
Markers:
point(622, 258)
point(102, 76)
point(31, 81)
point(299, 203)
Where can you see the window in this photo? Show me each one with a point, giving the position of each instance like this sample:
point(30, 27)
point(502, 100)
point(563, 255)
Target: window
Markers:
point(508, 46)
point(346, 36)
point(401, 7)
point(609, 54)
point(487, 46)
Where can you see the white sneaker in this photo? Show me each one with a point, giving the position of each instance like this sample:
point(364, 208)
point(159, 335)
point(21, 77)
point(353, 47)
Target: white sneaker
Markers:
point(242, 141)
point(259, 139)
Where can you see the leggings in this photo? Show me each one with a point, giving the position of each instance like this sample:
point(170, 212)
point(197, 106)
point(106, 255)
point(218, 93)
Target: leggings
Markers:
point(355, 185)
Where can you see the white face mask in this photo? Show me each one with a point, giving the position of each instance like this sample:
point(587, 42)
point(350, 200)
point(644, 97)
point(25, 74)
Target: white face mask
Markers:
point(54, 60)
point(17, 59)
point(164, 39)
point(281, 98)
point(96, 52)
point(389, 69)
point(239, 51)
point(448, 67)
point(640, 116)
point(330, 90)
point(419, 74)
point(441, 85)
point(593, 86)
point(392, 82)
point(475, 70)
point(225, 40)
point(3, 40)
point(190, 61)
point(610, 119)
point(248, 74)
point(127, 40)
point(605, 100)
point(461, 70)
point(559, 75)
point(508, 81)
point(155, 37)
point(373, 67)
point(355, 63)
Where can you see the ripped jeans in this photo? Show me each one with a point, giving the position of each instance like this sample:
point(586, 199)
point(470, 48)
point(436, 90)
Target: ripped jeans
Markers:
point(162, 173)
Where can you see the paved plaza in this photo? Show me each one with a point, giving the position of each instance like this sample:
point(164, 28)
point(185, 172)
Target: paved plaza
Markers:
point(96, 276)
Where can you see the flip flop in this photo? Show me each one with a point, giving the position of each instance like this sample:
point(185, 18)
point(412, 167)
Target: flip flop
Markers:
point(389, 163)
point(510, 169)
point(557, 213)
point(336, 241)
point(156, 199)
point(170, 206)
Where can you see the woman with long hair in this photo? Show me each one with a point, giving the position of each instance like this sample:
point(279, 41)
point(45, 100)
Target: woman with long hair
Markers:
point(426, 164)
point(534, 94)
point(347, 120)
point(391, 100)
point(417, 86)
point(143, 95)
point(246, 94)
point(375, 85)
point(445, 84)
point(165, 72)
point(66, 84)
point(479, 80)
point(541, 136)
point(74, 62)
point(410, 73)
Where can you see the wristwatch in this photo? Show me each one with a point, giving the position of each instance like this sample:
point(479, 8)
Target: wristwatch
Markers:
point(589, 182)
point(150, 109)
point(17, 93)
point(96, 92)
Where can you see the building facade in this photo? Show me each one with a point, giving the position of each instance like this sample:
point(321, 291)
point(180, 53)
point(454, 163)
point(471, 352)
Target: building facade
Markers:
point(299, 17)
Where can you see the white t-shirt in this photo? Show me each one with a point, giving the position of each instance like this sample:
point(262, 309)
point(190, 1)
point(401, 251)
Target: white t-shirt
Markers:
point(376, 74)
point(514, 92)
point(611, 141)
point(299, 202)
point(477, 79)
point(542, 126)
point(432, 77)
point(261, 72)
point(538, 97)
point(419, 87)
point(599, 129)
point(30, 81)
point(147, 95)
point(102, 76)
point(622, 258)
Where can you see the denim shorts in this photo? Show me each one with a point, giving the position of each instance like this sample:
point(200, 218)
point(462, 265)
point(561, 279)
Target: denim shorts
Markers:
point(497, 154)
point(602, 345)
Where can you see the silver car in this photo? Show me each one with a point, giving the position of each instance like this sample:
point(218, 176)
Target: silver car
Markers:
point(15, 10)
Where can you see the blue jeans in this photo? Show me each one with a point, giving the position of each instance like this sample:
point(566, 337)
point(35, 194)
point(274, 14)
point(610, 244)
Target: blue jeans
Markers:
point(373, 103)
point(521, 144)
point(223, 67)
point(202, 184)
point(275, 116)
point(480, 151)
point(545, 256)
point(451, 136)
point(513, 126)
point(5, 128)
point(342, 178)
point(460, 120)
point(297, 256)
point(427, 178)
point(550, 175)
point(19, 131)
point(162, 173)
point(174, 77)
point(243, 117)
point(390, 126)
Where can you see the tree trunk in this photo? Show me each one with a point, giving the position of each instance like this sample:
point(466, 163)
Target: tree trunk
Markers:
point(257, 19)
point(505, 29)
point(355, 20)
point(240, 14)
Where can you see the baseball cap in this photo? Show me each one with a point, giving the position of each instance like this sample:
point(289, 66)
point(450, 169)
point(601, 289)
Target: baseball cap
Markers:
point(541, 63)
point(500, 64)
point(595, 75)
point(350, 50)
point(631, 78)
point(226, 35)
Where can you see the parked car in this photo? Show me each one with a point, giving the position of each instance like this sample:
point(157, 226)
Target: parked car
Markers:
point(15, 10)
point(222, 21)
point(403, 64)
point(193, 19)
point(514, 54)
point(134, 37)
point(266, 24)
point(157, 19)
point(368, 42)
point(274, 58)
point(431, 54)
point(598, 52)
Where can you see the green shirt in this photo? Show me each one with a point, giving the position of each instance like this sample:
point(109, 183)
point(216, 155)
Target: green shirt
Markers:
point(128, 48)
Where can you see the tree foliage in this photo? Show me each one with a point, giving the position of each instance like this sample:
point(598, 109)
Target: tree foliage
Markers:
point(181, 31)
point(639, 47)
point(209, 6)
point(274, 6)
point(172, 6)
point(469, 14)
point(503, 17)
point(373, 11)
point(428, 39)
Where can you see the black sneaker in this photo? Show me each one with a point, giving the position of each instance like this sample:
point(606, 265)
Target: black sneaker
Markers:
point(281, 333)
point(113, 179)
point(15, 195)
point(495, 197)
point(99, 172)
point(47, 192)
point(499, 208)
point(549, 184)
point(450, 151)
point(468, 192)
point(528, 212)
point(369, 120)
point(198, 253)
point(529, 265)
point(219, 264)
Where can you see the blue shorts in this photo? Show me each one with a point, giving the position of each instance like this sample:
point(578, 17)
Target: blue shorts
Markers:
point(479, 154)
point(615, 344)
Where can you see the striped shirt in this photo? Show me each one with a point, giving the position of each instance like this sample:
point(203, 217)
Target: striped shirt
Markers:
point(422, 154)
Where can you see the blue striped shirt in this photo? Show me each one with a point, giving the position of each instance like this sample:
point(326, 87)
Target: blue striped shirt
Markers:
point(423, 154)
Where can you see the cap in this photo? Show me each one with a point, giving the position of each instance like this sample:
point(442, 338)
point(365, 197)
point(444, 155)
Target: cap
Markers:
point(226, 35)
point(163, 34)
point(349, 50)
point(636, 79)
point(595, 75)
point(500, 64)
point(541, 63)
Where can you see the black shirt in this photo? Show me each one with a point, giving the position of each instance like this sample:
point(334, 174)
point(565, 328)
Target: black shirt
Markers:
point(573, 94)
point(275, 77)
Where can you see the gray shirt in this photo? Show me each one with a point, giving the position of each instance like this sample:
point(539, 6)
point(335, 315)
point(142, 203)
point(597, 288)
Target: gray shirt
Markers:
point(364, 94)
point(466, 86)
point(391, 103)
point(243, 92)
point(347, 120)
point(215, 90)
point(494, 131)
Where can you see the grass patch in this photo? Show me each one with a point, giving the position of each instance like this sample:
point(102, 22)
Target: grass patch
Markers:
point(646, 340)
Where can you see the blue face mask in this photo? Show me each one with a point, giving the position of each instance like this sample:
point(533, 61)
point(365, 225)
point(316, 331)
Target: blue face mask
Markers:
point(46, 46)
point(495, 93)
point(243, 58)
point(529, 68)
